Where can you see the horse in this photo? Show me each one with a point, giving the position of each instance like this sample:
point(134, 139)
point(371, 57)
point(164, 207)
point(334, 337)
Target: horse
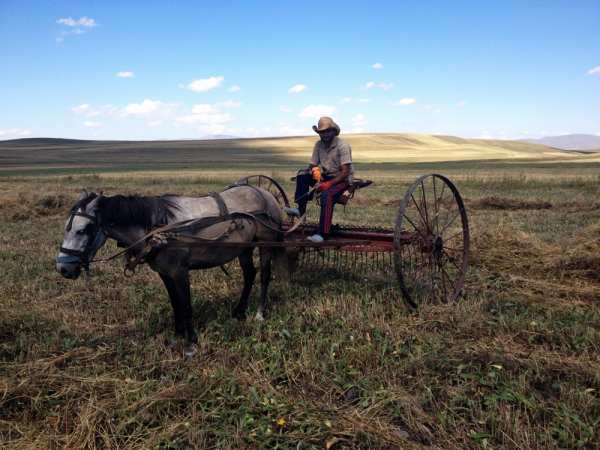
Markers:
point(240, 214)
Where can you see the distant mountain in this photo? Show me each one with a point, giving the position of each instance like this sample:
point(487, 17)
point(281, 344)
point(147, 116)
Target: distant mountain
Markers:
point(43, 141)
point(569, 142)
point(220, 136)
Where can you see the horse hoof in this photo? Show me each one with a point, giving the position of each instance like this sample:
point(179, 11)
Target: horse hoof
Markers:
point(259, 317)
point(190, 350)
point(175, 343)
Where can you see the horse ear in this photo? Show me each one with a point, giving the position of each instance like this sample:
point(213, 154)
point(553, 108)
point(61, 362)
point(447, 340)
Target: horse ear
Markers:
point(82, 195)
point(91, 205)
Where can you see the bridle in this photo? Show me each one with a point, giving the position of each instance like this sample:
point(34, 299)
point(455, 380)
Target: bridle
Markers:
point(83, 257)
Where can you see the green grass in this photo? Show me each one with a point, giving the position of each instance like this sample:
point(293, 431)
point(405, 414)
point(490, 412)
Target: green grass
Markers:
point(339, 362)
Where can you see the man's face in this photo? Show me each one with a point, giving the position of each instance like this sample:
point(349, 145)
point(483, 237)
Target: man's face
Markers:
point(327, 135)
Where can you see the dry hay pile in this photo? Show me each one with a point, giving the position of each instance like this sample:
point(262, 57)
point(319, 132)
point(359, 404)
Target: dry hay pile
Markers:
point(536, 269)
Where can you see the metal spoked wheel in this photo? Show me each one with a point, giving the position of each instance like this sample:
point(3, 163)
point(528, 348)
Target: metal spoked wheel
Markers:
point(268, 184)
point(431, 242)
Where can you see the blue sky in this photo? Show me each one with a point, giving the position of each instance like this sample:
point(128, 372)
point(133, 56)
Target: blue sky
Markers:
point(156, 69)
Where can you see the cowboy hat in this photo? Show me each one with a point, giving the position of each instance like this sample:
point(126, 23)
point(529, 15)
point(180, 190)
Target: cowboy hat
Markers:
point(325, 123)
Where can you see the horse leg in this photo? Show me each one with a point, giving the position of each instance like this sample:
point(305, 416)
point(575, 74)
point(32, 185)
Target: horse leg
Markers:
point(182, 283)
point(249, 271)
point(266, 256)
point(177, 316)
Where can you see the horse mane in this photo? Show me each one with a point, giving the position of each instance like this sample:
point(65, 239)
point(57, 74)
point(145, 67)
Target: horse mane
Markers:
point(135, 210)
point(83, 202)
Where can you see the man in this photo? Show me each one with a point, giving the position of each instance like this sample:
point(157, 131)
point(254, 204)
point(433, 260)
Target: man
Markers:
point(330, 171)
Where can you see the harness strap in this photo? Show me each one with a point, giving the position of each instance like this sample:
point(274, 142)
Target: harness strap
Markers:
point(223, 210)
point(190, 225)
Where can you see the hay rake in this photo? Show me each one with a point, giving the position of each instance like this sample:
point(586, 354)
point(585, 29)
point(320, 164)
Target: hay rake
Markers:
point(427, 249)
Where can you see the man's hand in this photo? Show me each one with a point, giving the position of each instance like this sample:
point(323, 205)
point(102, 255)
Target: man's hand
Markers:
point(324, 186)
point(316, 173)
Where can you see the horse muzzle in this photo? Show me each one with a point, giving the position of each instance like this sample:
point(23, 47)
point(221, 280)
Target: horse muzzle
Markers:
point(68, 266)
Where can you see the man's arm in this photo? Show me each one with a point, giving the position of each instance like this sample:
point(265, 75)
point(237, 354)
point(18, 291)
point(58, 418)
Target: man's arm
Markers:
point(341, 177)
point(345, 161)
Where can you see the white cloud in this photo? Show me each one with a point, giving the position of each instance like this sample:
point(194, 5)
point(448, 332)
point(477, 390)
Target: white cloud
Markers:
point(297, 88)
point(406, 101)
point(234, 88)
point(594, 70)
point(384, 86)
point(145, 107)
point(81, 109)
point(345, 100)
point(364, 100)
point(229, 104)
point(125, 74)
point(81, 22)
point(213, 129)
point(153, 110)
point(14, 133)
point(285, 109)
point(359, 120)
point(377, 66)
point(203, 108)
point(205, 84)
point(207, 118)
point(74, 26)
point(462, 104)
point(316, 111)
point(89, 111)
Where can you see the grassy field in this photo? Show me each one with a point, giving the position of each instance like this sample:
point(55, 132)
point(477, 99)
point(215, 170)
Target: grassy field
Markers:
point(339, 362)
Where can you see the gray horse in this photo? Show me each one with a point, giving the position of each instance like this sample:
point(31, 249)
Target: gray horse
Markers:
point(240, 214)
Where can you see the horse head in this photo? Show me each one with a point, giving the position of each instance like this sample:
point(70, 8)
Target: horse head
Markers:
point(83, 236)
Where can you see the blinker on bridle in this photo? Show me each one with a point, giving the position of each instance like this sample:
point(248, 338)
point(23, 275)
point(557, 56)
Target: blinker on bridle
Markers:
point(81, 256)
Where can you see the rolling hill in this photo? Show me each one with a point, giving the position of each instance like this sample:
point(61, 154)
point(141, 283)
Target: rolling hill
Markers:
point(38, 153)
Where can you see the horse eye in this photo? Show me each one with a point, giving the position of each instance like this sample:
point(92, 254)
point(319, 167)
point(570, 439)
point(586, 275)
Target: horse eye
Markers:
point(80, 232)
